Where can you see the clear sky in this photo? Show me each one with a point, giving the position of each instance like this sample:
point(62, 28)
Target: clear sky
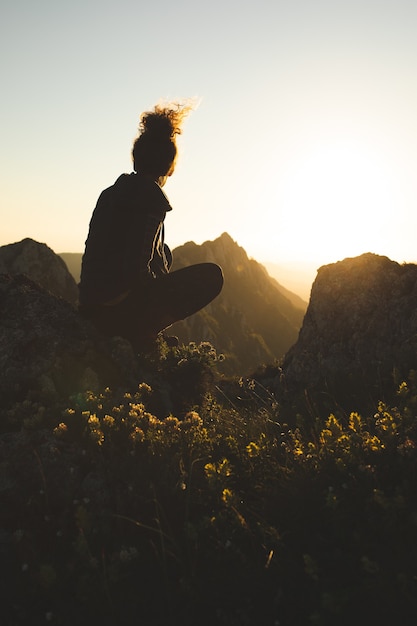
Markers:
point(303, 147)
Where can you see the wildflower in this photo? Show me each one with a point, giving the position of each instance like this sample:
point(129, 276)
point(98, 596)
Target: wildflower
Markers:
point(334, 426)
point(373, 443)
point(97, 436)
point(171, 422)
point(194, 418)
point(108, 421)
point(93, 420)
point(252, 449)
point(355, 422)
point(136, 410)
point(402, 390)
point(216, 473)
point(224, 468)
point(60, 430)
point(137, 435)
point(227, 496)
point(210, 470)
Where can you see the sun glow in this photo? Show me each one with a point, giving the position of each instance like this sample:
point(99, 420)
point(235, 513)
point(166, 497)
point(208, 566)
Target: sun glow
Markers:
point(335, 201)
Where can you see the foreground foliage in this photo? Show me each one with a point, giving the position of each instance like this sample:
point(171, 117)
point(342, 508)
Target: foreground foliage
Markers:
point(220, 515)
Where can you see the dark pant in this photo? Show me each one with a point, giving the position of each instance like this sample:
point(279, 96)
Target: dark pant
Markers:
point(149, 309)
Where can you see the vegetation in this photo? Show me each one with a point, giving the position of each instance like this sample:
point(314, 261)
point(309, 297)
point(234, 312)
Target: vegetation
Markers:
point(216, 513)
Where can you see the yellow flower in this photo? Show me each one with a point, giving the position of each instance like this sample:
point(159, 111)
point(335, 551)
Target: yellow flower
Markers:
point(252, 449)
point(373, 444)
point(108, 421)
point(227, 496)
point(93, 421)
point(60, 430)
point(355, 422)
point(137, 435)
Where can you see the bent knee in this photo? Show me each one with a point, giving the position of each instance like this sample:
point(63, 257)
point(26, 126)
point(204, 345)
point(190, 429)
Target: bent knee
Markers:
point(214, 276)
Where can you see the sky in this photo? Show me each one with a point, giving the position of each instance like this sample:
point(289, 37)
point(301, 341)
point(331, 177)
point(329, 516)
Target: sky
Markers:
point(303, 146)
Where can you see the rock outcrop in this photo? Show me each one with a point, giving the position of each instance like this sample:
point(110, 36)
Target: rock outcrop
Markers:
point(357, 342)
point(40, 264)
point(47, 351)
point(359, 335)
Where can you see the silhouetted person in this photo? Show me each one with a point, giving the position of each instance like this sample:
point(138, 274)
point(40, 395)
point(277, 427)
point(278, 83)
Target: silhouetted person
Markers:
point(126, 288)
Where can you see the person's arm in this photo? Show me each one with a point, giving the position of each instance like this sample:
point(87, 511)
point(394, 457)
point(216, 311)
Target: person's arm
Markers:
point(147, 215)
point(150, 240)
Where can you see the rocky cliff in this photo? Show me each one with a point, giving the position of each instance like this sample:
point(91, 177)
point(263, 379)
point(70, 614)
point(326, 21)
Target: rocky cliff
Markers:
point(359, 335)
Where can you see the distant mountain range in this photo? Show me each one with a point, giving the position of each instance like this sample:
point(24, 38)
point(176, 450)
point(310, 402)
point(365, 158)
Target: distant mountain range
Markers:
point(254, 320)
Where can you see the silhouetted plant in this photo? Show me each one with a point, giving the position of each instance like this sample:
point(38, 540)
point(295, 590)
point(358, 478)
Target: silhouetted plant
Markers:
point(219, 514)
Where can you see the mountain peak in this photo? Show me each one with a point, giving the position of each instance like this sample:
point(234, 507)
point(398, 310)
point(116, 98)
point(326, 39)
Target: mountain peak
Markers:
point(252, 321)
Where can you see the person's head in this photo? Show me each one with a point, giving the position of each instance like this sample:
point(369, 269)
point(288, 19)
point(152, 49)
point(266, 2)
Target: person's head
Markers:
point(154, 150)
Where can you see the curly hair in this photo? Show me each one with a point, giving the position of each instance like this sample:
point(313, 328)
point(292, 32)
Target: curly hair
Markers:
point(154, 150)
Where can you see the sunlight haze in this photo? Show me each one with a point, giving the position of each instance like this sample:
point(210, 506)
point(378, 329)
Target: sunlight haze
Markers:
point(303, 147)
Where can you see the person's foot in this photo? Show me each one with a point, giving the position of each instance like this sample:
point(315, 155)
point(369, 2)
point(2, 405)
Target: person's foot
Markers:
point(172, 341)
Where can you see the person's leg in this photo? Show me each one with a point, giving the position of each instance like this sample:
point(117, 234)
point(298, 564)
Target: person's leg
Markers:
point(166, 300)
point(170, 298)
point(183, 292)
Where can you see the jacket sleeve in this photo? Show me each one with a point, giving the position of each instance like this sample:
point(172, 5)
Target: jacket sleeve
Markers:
point(149, 215)
point(151, 231)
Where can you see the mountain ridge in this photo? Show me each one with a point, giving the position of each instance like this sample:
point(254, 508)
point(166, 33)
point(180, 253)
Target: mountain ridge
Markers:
point(252, 320)
point(73, 262)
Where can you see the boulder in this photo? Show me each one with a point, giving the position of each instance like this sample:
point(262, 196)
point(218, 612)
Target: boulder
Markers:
point(358, 340)
point(42, 265)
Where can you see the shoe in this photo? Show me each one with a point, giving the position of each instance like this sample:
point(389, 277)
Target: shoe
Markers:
point(172, 341)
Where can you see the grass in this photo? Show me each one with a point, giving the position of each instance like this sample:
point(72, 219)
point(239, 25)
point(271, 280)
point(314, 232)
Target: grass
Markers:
point(180, 503)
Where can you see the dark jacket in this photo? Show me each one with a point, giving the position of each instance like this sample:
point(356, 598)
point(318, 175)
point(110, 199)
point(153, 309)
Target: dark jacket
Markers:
point(124, 239)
